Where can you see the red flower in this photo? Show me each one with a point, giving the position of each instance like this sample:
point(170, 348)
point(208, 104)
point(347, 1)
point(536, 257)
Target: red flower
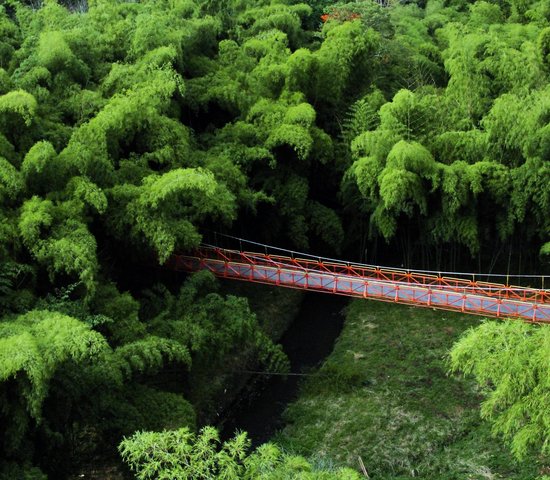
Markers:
point(325, 17)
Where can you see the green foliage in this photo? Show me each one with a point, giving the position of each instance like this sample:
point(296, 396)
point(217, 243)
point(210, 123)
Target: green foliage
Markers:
point(326, 225)
point(53, 51)
point(12, 470)
point(88, 193)
point(483, 13)
point(474, 155)
point(215, 328)
point(35, 352)
point(37, 160)
point(70, 247)
point(363, 115)
point(543, 45)
point(128, 129)
point(11, 182)
point(149, 355)
point(123, 310)
point(510, 361)
point(174, 454)
point(20, 103)
point(384, 394)
point(33, 347)
point(344, 59)
point(53, 361)
point(181, 454)
point(14, 298)
point(164, 207)
point(154, 409)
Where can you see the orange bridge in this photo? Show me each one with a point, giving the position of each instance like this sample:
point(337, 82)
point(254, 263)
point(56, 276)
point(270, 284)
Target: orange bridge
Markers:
point(418, 288)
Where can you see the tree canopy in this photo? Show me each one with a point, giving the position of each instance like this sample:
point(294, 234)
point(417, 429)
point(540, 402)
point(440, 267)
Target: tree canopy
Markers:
point(511, 362)
point(413, 133)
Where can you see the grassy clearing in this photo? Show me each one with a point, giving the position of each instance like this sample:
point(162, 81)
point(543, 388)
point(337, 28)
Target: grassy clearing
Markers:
point(384, 395)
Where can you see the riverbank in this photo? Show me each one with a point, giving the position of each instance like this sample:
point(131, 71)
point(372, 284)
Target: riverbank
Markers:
point(384, 396)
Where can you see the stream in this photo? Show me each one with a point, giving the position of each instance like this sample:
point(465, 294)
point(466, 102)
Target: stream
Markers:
point(307, 342)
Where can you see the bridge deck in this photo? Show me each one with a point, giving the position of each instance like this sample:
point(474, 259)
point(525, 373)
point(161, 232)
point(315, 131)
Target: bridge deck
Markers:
point(388, 285)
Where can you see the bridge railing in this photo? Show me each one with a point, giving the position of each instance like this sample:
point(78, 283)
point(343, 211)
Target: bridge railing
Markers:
point(290, 272)
point(399, 276)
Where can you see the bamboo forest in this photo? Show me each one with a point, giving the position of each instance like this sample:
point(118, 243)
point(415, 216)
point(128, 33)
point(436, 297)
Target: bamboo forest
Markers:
point(168, 168)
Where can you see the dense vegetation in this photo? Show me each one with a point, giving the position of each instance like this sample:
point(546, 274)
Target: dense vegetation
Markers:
point(180, 454)
point(384, 395)
point(411, 133)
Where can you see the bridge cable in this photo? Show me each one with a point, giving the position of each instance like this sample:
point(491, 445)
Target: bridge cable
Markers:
point(358, 264)
point(495, 289)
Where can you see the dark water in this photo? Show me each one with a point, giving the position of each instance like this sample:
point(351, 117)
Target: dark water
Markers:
point(307, 342)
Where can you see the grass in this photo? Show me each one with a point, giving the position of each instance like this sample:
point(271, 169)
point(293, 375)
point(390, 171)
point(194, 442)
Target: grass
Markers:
point(384, 395)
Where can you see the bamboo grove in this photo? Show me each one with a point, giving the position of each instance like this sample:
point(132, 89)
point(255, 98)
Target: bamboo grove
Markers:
point(418, 131)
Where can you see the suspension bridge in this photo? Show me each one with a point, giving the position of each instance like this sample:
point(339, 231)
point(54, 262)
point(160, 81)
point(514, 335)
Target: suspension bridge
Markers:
point(441, 290)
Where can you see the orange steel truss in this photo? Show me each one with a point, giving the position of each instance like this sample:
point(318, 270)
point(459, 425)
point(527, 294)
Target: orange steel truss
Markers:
point(378, 283)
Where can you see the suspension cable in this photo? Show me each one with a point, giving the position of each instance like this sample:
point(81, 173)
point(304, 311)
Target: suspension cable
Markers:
point(366, 265)
point(435, 287)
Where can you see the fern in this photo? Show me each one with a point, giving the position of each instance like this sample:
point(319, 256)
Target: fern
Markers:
point(362, 116)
